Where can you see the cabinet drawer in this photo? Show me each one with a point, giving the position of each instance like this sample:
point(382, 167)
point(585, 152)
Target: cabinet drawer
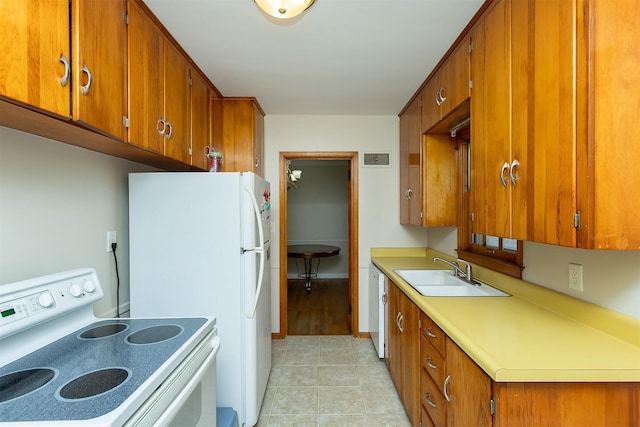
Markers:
point(432, 400)
point(433, 334)
point(432, 362)
point(425, 419)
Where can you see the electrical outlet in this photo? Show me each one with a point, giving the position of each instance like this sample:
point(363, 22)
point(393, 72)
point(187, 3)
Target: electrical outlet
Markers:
point(111, 238)
point(575, 277)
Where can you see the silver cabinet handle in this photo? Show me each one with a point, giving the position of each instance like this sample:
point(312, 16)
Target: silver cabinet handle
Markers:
point(407, 194)
point(85, 88)
point(443, 94)
point(161, 130)
point(398, 319)
point(444, 388)
point(257, 162)
point(504, 167)
point(170, 126)
point(514, 165)
point(429, 332)
point(427, 398)
point(67, 70)
point(429, 363)
point(384, 298)
point(438, 101)
point(401, 323)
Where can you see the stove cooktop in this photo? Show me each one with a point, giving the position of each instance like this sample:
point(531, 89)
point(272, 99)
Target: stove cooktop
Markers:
point(92, 371)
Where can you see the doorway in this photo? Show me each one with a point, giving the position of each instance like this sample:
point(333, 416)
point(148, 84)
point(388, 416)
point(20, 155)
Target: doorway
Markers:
point(351, 159)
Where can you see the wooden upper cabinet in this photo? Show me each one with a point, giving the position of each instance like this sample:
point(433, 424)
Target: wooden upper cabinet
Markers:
point(608, 150)
point(36, 66)
point(448, 88)
point(200, 120)
point(440, 180)
point(411, 164)
point(242, 135)
point(543, 76)
point(146, 81)
point(177, 105)
point(99, 40)
point(491, 150)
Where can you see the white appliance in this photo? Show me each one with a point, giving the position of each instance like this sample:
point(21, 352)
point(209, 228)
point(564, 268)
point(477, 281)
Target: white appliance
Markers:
point(378, 294)
point(61, 366)
point(200, 245)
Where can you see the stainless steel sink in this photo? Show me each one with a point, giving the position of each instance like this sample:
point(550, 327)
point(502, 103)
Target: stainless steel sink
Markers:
point(442, 283)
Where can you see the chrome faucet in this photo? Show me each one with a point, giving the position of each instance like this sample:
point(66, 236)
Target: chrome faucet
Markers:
point(456, 268)
point(457, 271)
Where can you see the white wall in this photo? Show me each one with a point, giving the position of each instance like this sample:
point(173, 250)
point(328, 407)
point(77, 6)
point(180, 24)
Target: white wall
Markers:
point(57, 203)
point(379, 216)
point(611, 279)
point(318, 213)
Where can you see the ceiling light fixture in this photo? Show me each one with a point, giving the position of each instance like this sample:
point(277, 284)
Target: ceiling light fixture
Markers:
point(284, 9)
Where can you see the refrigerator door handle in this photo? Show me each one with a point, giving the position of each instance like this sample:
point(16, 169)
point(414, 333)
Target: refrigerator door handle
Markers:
point(259, 250)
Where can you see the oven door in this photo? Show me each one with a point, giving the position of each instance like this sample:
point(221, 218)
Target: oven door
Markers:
point(188, 395)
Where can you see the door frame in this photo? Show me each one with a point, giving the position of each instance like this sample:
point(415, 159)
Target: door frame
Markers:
point(352, 159)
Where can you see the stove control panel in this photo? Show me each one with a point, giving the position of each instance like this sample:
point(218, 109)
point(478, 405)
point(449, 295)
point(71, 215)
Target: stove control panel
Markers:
point(30, 302)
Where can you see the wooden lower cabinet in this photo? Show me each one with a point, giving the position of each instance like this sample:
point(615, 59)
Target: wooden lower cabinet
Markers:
point(456, 392)
point(404, 350)
point(567, 404)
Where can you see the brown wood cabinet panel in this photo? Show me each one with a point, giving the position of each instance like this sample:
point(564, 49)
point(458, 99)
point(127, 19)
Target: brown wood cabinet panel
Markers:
point(394, 347)
point(567, 404)
point(454, 78)
point(146, 81)
point(544, 120)
point(243, 135)
point(411, 165)
point(469, 390)
point(431, 110)
point(35, 35)
point(99, 40)
point(491, 123)
point(200, 117)
point(433, 400)
point(177, 104)
point(608, 150)
point(440, 181)
point(432, 362)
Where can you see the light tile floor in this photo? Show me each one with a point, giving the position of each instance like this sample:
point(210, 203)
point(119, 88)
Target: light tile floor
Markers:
point(329, 381)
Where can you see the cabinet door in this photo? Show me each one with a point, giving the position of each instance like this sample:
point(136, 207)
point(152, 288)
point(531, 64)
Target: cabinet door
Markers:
point(454, 78)
point(258, 120)
point(99, 65)
point(431, 110)
point(468, 389)
point(243, 135)
point(608, 160)
point(177, 104)
point(393, 344)
point(440, 181)
point(411, 165)
point(491, 124)
point(146, 81)
point(199, 120)
point(35, 47)
point(544, 120)
point(410, 364)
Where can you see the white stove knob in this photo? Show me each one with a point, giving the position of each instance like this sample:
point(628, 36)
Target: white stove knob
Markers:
point(75, 290)
point(45, 300)
point(89, 286)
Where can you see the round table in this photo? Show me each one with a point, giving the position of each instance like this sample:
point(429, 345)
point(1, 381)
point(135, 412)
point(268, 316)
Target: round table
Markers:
point(308, 253)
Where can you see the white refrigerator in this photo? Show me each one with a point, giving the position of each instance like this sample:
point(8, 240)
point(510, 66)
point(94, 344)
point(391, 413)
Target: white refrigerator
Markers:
point(200, 246)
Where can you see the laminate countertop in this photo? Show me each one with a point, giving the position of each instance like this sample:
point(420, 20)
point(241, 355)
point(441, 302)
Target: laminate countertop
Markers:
point(534, 335)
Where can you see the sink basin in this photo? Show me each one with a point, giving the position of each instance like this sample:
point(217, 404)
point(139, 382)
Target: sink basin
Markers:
point(442, 283)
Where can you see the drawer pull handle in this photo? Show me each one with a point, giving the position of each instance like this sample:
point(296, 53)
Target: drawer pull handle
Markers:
point(429, 363)
point(427, 398)
point(429, 332)
point(444, 388)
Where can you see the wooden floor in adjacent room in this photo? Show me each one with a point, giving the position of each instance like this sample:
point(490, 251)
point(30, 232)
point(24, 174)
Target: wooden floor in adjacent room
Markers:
point(323, 312)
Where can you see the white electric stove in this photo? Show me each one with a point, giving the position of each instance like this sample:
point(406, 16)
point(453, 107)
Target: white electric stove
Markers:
point(60, 365)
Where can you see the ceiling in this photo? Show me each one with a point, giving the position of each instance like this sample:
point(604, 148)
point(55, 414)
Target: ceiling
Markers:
point(341, 57)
